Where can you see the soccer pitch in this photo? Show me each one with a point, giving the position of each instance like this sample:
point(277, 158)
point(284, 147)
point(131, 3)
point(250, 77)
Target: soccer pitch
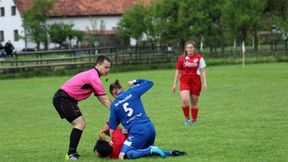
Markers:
point(243, 116)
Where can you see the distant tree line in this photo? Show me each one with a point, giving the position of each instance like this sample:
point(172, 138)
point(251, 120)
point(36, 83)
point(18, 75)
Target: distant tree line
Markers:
point(217, 23)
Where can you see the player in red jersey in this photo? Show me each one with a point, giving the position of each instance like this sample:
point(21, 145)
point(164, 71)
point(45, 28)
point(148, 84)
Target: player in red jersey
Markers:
point(191, 73)
point(117, 140)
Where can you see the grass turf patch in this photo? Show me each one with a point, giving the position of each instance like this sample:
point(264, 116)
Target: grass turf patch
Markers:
point(242, 116)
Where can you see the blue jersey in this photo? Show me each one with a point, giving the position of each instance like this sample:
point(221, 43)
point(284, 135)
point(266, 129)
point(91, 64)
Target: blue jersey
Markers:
point(128, 109)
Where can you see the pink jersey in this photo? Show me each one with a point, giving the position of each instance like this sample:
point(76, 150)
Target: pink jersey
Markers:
point(190, 65)
point(83, 84)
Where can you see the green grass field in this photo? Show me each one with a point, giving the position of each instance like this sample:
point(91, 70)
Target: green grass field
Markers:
point(243, 117)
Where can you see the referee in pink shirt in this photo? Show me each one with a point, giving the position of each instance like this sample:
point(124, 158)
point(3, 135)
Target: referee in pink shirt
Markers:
point(77, 89)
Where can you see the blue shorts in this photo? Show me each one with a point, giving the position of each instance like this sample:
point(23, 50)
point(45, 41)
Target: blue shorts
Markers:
point(139, 137)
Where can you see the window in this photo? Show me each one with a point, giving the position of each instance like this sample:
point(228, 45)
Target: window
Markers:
point(13, 10)
point(16, 35)
point(1, 36)
point(2, 11)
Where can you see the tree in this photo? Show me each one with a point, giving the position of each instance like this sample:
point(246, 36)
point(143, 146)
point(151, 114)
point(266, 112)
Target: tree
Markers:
point(91, 32)
point(59, 32)
point(277, 8)
point(281, 27)
point(243, 16)
point(192, 21)
point(133, 24)
point(166, 21)
point(174, 22)
point(212, 30)
point(165, 17)
point(257, 10)
point(78, 34)
point(35, 24)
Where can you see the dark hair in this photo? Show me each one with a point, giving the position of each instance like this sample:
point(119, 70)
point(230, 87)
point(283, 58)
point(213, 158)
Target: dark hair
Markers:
point(115, 85)
point(103, 148)
point(100, 59)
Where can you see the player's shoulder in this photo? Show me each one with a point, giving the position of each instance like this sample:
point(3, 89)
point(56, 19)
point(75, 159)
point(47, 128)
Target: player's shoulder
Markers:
point(198, 54)
point(114, 104)
point(86, 73)
point(93, 74)
point(181, 56)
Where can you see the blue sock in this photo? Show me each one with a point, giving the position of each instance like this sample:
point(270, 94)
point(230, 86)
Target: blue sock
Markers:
point(133, 154)
point(167, 153)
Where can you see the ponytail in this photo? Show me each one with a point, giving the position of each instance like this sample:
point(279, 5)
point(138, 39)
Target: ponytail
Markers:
point(115, 85)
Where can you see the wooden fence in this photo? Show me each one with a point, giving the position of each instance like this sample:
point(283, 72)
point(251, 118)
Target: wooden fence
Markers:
point(76, 58)
point(26, 61)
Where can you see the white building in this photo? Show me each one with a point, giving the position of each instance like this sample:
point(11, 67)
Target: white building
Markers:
point(85, 15)
point(11, 24)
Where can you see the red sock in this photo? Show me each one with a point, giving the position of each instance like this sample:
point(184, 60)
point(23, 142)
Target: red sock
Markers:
point(194, 112)
point(185, 110)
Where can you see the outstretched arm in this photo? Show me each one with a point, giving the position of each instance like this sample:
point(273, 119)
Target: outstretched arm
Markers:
point(141, 86)
point(104, 99)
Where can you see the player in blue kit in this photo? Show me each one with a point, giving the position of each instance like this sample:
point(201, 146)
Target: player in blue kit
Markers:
point(127, 109)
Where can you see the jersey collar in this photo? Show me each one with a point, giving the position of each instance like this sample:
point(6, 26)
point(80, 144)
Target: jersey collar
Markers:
point(97, 72)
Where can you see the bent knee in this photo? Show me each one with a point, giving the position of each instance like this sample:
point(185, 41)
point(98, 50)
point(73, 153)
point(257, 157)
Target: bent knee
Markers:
point(79, 123)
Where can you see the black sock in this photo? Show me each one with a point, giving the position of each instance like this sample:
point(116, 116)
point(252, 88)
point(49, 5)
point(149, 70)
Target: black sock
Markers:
point(74, 140)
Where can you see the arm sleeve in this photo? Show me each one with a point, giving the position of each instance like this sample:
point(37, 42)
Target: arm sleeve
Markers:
point(141, 86)
point(97, 87)
point(179, 65)
point(113, 121)
point(202, 63)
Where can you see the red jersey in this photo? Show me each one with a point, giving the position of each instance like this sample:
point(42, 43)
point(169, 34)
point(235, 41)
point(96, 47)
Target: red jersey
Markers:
point(117, 139)
point(190, 64)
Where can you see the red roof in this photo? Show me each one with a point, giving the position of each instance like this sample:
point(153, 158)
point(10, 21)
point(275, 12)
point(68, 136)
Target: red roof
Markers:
point(85, 7)
point(23, 5)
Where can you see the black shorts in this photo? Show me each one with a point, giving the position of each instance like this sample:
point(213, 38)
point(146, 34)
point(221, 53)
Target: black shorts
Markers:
point(66, 106)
